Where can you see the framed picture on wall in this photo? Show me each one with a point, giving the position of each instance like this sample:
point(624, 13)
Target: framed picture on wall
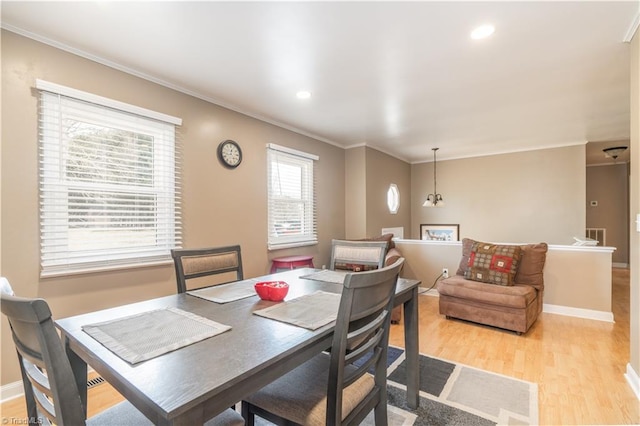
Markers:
point(432, 232)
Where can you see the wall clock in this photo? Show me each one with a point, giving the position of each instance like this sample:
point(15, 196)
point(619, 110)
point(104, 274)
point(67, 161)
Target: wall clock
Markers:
point(230, 154)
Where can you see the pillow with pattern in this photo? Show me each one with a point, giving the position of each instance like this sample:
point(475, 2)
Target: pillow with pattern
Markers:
point(354, 267)
point(493, 263)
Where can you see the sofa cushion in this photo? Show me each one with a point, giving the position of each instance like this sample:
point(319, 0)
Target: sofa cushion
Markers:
point(467, 244)
point(384, 237)
point(516, 296)
point(493, 263)
point(392, 256)
point(531, 267)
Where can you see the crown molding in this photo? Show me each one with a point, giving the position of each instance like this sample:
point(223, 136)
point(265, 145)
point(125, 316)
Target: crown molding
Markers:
point(506, 151)
point(172, 86)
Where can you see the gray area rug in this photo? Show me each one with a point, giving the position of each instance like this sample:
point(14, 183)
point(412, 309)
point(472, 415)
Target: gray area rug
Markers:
point(456, 394)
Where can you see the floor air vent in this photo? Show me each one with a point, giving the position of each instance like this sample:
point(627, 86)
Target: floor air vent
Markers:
point(94, 382)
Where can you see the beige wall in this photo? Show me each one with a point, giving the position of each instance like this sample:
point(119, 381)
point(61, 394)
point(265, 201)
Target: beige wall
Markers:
point(635, 208)
point(382, 171)
point(355, 197)
point(520, 197)
point(220, 206)
point(609, 186)
point(369, 173)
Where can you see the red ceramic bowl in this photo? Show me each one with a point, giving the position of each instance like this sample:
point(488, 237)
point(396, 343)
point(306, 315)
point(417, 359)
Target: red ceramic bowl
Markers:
point(274, 291)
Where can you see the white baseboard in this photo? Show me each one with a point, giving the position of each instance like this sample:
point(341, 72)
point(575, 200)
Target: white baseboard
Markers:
point(633, 379)
point(11, 391)
point(578, 312)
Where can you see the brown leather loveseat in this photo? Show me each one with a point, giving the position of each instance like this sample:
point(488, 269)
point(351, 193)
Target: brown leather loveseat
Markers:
point(497, 285)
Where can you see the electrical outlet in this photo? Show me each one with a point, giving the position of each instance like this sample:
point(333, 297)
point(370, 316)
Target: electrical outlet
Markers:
point(445, 272)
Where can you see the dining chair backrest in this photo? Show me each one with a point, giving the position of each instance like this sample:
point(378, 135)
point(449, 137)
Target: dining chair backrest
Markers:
point(360, 338)
point(51, 391)
point(362, 253)
point(196, 263)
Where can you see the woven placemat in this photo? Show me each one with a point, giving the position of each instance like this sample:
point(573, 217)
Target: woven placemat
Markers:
point(224, 293)
point(310, 311)
point(143, 336)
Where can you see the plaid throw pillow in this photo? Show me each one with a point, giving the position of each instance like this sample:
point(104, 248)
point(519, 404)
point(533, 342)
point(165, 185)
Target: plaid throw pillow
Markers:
point(493, 263)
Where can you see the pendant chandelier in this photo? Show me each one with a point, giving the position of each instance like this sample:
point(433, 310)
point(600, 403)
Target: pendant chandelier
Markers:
point(435, 199)
point(614, 151)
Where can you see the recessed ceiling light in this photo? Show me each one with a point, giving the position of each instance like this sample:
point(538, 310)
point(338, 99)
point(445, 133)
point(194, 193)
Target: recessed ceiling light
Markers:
point(303, 94)
point(482, 31)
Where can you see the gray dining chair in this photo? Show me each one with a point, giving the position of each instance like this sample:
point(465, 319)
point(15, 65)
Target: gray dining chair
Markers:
point(50, 387)
point(336, 388)
point(202, 262)
point(360, 254)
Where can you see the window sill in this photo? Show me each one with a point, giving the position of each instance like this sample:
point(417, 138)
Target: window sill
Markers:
point(291, 245)
point(105, 268)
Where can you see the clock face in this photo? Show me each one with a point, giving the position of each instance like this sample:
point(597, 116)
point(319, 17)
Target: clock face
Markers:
point(230, 154)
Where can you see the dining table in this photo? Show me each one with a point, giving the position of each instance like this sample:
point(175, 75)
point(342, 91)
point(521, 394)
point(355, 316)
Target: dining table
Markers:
point(190, 384)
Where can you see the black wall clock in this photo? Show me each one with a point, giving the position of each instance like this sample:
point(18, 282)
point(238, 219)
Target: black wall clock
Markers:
point(230, 154)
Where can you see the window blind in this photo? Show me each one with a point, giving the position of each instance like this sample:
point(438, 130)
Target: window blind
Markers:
point(291, 198)
point(109, 180)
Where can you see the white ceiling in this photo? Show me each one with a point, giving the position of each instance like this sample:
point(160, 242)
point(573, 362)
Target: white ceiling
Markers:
point(401, 77)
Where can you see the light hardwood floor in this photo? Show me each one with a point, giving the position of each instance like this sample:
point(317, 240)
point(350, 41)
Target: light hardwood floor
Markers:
point(579, 364)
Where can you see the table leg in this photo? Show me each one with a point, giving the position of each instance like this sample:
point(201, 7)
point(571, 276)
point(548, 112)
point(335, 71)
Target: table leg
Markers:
point(79, 369)
point(412, 349)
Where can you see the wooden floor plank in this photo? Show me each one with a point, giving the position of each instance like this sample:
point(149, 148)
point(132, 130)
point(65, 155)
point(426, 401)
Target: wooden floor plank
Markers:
point(579, 364)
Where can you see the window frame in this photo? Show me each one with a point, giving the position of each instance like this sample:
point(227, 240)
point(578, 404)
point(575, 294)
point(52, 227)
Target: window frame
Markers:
point(393, 198)
point(307, 200)
point(57, 255)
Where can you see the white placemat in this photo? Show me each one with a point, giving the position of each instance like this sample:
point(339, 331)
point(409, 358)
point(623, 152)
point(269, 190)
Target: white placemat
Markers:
point(143, 336)
point(327, 275)
point(310, 311)
point(225, 293)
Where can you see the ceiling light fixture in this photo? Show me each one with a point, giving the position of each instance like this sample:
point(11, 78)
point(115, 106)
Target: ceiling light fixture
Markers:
point(435, 199)
point(614, 151)
point(303, 94)
point(482, 31)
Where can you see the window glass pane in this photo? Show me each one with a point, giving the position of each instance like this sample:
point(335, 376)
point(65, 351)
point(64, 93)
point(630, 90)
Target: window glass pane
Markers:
point(291, 206)
point(393, 198)
point(99, 220)
point(107, 155)
point(109, 187)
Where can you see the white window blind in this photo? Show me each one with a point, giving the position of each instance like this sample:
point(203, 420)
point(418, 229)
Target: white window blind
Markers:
point(109, 183)
point(291, 198)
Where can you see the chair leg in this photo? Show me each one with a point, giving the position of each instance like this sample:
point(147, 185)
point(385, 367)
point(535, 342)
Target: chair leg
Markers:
point(249, 417)
point(380, 414)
